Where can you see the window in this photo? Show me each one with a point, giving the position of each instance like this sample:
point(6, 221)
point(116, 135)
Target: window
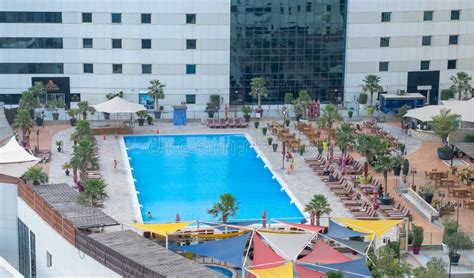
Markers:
point(28, 68)
point(383, 66)
point(426, 40)
point(33, 254)
point(23, 249)
point(190, 44)
point(30, 17)
point(425, 65)
point(427, 15)
point(386, 16)
point(455, 14)
point(190, 69)
point(190, 99)
point(88, 68)
point(452, 64)
point(385, 42)
point(146, 44)
point(87, 17)
point(146, 69)
point(87, 43)
point(116, 43)
point(116, 18)
point(190, 18)
point(31, 43)
point(117, 68)
point(49, 259)
point(146, 18)
point(453, 39)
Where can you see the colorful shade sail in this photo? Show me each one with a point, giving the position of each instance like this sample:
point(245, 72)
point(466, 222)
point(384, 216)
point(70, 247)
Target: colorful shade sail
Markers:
point(288, 246)
point(377, 227)
point(305, 227)
point(359, 246)
point(283, 271)
point(337, 231)
point(162, 229)
point(324, 254)
point(264, 256)
point(304, 272)
point(229, 250)
point(351, 269)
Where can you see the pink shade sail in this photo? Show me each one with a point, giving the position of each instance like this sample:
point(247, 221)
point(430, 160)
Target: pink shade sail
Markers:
point(304, 272)
point(324, 254)
point(264, 256)
point(305, 227)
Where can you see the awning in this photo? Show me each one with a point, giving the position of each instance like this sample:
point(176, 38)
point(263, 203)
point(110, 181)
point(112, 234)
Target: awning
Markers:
point(461, 107)
point(229, 250)
point(264, 256)
point(162, 229)
point(14, 159)
point(118, 105)
point(283, 271)
point(377, 227)
point(324, 254)
point(337, 231)
point(305, 227)
point(352, 269)
point(288, 246)
point(424, 114)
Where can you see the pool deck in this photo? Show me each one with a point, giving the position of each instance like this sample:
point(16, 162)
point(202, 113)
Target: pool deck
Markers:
point(303, 183)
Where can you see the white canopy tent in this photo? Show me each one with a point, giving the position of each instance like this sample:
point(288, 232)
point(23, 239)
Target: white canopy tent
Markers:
point(118, 105)
point(464, 108)
point(14, 159)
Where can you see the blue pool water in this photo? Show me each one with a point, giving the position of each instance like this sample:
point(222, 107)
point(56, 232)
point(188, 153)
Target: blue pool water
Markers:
point(221, 270)
point(186, 174)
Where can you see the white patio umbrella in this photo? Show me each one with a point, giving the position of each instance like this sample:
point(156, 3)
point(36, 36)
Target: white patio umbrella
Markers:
point(424, 114)
point(464, 108)
point(118, 105)
point(14, 159)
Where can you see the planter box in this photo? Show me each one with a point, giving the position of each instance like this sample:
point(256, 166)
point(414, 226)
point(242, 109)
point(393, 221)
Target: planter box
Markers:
point(445, 155)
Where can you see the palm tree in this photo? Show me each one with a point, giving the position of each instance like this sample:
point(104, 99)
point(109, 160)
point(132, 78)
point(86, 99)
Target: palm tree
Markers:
point(24, 122)
point(94, 192)
point(345, 137)
point(461, 85)
point(369, 146)
point(27, 100)
point(317, 207)
point(38, 90)
point(302, 102)
point(444, 123)
point(385, 164)
point(227, 206)
point(327, 119)
point(84, 108)
point(258, 90)
point(35, 174)
point(83, 156)
point(371, 85)
point(156, 91)
point(82, 131)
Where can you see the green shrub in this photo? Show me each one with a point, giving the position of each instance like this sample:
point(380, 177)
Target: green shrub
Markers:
point(405, 166)
point(450, 227)
point(264, 130)
point(418, 236)
point(469, 138)
point(270, 140)
point(288, 98)
point(446, 94)
point(363, 98)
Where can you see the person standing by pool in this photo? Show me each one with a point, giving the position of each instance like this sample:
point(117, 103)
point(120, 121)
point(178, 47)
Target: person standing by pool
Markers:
point(291, 166)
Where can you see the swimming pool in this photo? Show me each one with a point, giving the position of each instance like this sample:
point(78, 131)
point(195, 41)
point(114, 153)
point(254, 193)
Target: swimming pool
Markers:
point(223, 270)
point(186, 174)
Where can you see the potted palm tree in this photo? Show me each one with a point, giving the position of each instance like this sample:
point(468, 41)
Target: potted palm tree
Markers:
point(66, 167)
point(246, 110)
point(213, 105)
point(405, 169)
point(226, 207)
point(85, 108)
point(275, 147)
point(457, 242)
point(36, 175)
point(269, 140)
point(24, 122)
point(371, 85)
point(72, 113)
point(317, 207)
point(461, 85)
point(258, 90)
point(142, 115)
point(427, 192)
point(327, 119)
point(397, 167)
point(157, 91)
point(385, 164)
point(442, 125)
point(39, 118)
point(417, 239)
point(59, 145)
point(94, 192)
point(264, 131)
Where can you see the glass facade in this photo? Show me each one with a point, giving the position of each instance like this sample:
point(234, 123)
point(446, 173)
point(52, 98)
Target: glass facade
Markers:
point(28, 68)
point(30, 17)
point(31, 43)
point(293, 44)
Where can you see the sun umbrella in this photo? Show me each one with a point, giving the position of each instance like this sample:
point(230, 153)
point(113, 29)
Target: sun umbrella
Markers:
point(226, 111)
point(264, 218)
point(318, 108)
point(343, 163)
point(376, 197)
point(366, 169)
point(331, 153)
point(14, 159)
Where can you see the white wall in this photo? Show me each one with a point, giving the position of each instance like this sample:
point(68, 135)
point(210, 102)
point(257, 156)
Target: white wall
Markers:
point(67, 260)
point(8, 223)
point(405, 30)
point(168, 56)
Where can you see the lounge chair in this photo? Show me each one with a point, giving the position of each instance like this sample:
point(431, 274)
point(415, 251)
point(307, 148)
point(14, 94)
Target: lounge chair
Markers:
point(211, 123)
point(222, 123)
point(231, 122)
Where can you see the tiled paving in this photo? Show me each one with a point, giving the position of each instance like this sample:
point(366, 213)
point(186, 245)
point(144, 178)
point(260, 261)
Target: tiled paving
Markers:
point(465, 266)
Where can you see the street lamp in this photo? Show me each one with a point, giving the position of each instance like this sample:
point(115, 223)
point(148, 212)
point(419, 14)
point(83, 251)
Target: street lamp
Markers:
point(413, 172)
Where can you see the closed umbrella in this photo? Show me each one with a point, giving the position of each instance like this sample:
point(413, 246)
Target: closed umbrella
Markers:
point(376, 197)
point(331, 153)
point(178, 218)
point(264, 218)
point(318, 108)
point(343, 164)
point(226, 111)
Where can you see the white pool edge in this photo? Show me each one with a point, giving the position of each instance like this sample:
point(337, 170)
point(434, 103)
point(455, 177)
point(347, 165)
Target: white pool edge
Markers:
point(130, 182)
